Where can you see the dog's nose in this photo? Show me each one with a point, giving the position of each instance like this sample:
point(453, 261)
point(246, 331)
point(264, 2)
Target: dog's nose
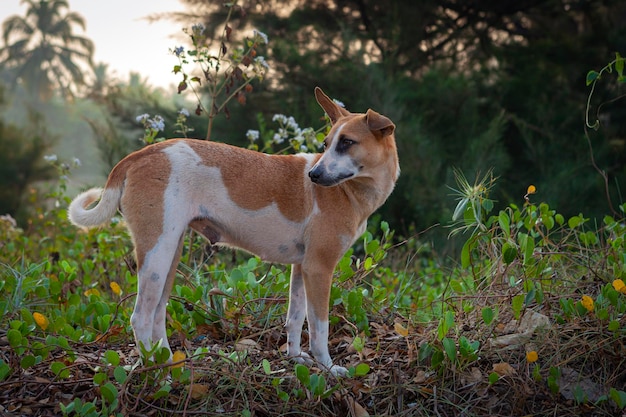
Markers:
point(315, 173)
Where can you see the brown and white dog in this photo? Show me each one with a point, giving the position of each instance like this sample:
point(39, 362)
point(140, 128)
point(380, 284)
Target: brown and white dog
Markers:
point(304, 209)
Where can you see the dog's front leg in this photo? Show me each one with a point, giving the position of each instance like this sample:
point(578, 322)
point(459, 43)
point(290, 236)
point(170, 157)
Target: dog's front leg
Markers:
point(317, 283)
point(296, 314)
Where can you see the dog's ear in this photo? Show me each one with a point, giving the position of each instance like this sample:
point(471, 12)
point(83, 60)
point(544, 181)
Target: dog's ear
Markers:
point(332, 109)
point(379, 124)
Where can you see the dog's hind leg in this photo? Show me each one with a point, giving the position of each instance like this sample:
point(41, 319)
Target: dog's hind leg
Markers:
point(158, 324)
point(296, 314)
point(154, 279)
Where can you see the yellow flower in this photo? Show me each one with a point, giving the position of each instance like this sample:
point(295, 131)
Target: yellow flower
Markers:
point(178, 356)
point(619, 286)
point(115, 287)
point(587, 302)
point(400, 329)
point(531, 189)
point(532, 356)
point(41, 320)
point(92, 291)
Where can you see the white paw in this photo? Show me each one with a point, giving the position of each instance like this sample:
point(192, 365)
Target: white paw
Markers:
point(337, 370)
point(303, 358)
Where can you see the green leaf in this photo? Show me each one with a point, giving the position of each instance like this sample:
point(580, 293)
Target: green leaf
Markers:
point(619, 397)
point(487, 205)
point(527, 245)
point(361, 369)
point(60, 370)
point(358, 344)
point(445, 324)
point(450, 348)
point(266, 367)
point(163, 391)
point(27, 361)
point(613, 325)
point(505, 223)
point(517, 303)
point(282, 395)
point(493, 378)
point(15, 338)
point(368, 263)
point(509, 252)
point(303, 374)
point(120, 375)
point(559, 219)
point(465, 254)
point(592, 76)
point(5, 370)
point(99, 378)
point(574, 222)
point(468, 349)
point(487, 314)
point(112, 357)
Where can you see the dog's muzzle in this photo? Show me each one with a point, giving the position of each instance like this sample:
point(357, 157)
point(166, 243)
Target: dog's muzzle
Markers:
point(316, 173)
point(320, 176)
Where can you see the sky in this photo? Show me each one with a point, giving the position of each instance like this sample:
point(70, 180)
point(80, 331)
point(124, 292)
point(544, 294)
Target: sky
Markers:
point(122, 37)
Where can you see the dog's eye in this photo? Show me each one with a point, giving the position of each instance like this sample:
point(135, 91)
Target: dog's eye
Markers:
point(344, 143)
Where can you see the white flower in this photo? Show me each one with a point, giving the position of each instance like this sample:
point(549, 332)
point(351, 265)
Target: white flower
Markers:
point(76, 162)
point(260, 35)
point(142, 117)
point(261, 60)
point(50, 158)
point(339, 103)
point(184, 112)
point(280, 118)
point(157, 123)
point(252, 135)
point(291, 123)
point(278, 138)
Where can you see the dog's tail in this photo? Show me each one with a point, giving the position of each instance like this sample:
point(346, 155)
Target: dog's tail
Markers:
point(80, 214)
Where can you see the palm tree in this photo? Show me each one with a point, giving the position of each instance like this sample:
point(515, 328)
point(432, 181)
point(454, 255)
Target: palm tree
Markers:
point(42, 52)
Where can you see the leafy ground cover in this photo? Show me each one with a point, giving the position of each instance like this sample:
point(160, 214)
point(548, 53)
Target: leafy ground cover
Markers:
point(529, 321)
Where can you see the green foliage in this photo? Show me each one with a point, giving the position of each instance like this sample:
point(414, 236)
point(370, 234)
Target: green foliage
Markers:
point(22, 163)
point(227, 74)
point(594, 76)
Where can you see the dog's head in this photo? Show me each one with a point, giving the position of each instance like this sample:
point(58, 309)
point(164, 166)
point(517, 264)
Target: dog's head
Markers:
point(357, 146)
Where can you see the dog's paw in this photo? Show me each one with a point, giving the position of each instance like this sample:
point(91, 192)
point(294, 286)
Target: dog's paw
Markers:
point(303, 358)
point(337, 370)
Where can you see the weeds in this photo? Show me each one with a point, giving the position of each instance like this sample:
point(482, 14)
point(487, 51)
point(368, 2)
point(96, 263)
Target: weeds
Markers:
point(530, 321)
point(538, 302)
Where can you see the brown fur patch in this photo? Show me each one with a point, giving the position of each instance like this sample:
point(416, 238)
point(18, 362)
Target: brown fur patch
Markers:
point(144, 175)
point(255, 180)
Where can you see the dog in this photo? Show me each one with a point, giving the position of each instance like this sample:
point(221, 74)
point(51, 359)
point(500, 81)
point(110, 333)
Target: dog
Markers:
point(303, 209)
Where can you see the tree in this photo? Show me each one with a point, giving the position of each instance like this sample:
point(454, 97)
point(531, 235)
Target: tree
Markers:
point(41, 50)
point(22, 161)
point(474, 84)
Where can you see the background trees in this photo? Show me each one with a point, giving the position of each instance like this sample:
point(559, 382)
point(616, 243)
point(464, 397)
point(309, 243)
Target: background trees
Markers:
point(473, 84)
point(42, 51)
